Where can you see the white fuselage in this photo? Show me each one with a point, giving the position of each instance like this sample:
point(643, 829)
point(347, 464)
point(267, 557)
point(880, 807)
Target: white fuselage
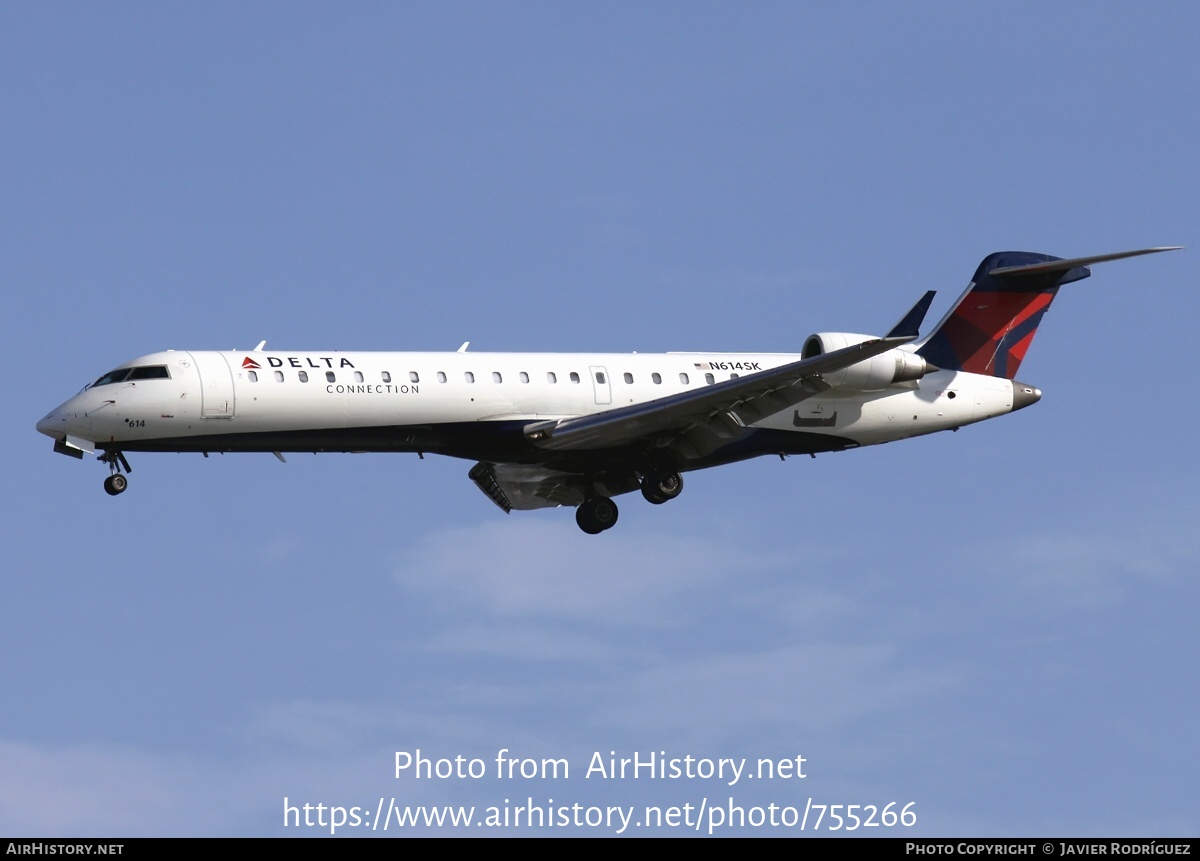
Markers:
point(340, 401)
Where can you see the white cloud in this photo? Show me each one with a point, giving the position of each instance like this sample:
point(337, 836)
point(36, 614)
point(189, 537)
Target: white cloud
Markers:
point(1098, 567)
point(538, 643)
point(800, 688)
point(98, 790)
point(278, 550)
point(536, 568)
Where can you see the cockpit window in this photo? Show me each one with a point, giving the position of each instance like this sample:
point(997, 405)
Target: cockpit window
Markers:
point(145, 372)
point(113, 377)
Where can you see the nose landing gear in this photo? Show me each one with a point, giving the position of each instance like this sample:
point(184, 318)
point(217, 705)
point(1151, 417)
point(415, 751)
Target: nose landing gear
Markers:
point(115, 483)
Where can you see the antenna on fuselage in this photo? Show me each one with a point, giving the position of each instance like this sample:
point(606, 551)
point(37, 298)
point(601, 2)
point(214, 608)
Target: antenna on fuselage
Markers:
point(463, 348)
point(258, 349)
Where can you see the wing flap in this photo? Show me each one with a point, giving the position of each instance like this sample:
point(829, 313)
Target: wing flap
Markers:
point(524, 488)
point(757, 408)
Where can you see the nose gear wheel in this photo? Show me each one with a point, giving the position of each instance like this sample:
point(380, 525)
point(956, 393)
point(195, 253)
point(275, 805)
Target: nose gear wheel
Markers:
point(116, 482)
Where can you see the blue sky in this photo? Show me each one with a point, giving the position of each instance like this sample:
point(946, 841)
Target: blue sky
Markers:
point(998, 624)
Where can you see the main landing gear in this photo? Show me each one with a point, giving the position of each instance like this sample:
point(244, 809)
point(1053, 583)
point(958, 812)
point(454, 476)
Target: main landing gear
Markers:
point(598, 513)
point(115, 483)
point(662, 487)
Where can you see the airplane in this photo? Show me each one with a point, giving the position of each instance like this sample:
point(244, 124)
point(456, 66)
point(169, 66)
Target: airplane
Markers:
point(577, 429)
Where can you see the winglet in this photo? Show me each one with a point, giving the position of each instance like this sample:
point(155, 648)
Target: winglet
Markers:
point(910, 324)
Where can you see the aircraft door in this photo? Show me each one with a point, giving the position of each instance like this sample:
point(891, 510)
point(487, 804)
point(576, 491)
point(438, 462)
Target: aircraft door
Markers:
point(217, 399)
point(601, 385)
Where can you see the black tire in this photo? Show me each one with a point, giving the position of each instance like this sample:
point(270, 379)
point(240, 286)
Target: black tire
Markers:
point(115, 483)
point(662, 487)
point(604, 511)
point(596, 514)
point(650, 494)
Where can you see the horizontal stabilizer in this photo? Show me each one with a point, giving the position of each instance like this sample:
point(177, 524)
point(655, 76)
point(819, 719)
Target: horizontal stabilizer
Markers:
point(1064, 265)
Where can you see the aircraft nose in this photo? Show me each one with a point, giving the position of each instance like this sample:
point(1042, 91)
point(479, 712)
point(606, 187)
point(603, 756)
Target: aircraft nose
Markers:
point(49, 425)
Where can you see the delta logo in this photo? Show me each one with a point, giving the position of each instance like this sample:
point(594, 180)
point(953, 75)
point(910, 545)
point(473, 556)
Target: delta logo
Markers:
point(249, 364)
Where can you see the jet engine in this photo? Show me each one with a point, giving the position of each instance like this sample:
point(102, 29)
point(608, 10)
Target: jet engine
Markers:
point(900, 365)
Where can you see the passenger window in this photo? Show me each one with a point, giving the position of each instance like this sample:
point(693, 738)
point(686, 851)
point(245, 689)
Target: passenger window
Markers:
point(710, 379)
point(441, 376)
point(469, 377)
point(387, 377)
point(550, 377)
point(734, 376)
point(628, 377)
point(683, 378)
point(574, 377)
point(279, 376)
point(330, 377)
point(524, 377)
point(600, 377)
point(414, 377)
point(657, 377)
point(358, 377)
point(496, 378)
point(253, 377)
point(303, 376)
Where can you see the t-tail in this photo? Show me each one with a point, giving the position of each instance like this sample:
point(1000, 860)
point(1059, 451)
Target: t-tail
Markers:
point(989, 329)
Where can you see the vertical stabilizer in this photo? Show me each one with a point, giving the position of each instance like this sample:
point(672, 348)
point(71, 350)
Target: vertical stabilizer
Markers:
point(990, 328)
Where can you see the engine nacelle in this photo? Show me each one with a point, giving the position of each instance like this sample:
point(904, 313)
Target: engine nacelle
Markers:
point(894, 366)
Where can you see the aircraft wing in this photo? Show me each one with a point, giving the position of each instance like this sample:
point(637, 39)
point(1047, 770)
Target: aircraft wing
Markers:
point(700, 419)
